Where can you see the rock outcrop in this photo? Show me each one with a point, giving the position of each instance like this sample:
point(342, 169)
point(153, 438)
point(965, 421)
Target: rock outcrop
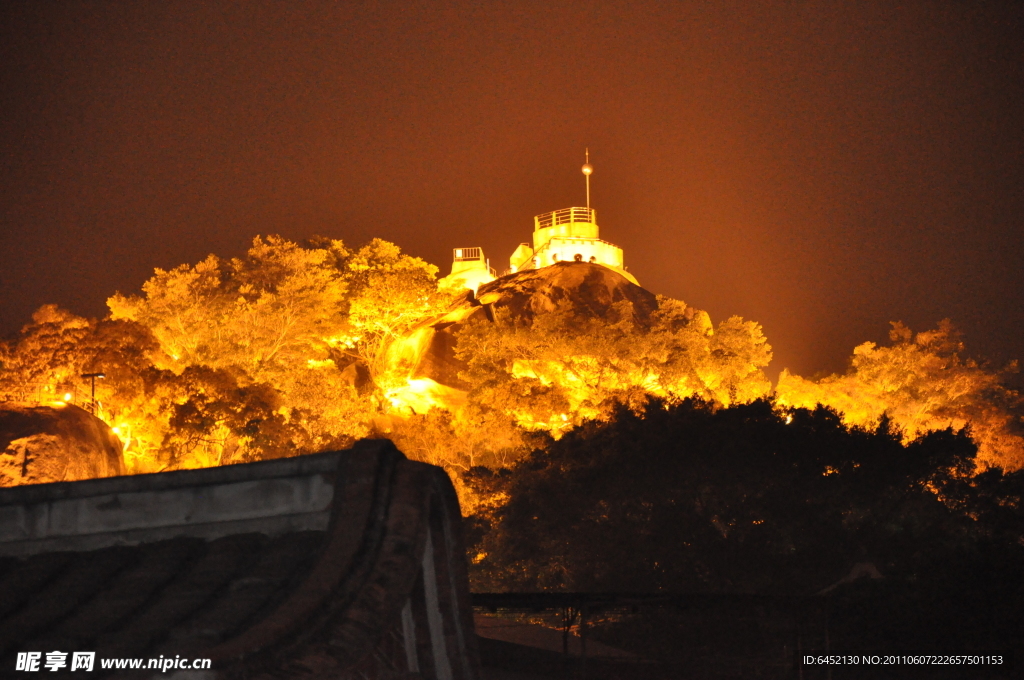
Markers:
point(426, 355)
point(40, 444)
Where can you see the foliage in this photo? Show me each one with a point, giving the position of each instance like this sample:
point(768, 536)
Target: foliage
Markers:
point(266, 313)
point(285, 350)
point(921, 383)
point(309, 320)
point(274, 353)
point(557, 370)
point(224, 419)
point(461, 442)
point(693, 497)
point(199, 417)
point(390, 293)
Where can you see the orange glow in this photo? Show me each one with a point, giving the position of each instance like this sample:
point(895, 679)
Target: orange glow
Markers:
point(920, 383)
point(296, 349)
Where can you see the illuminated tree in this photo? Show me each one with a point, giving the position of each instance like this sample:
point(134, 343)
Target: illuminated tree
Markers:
point(46, 351)
point(461, 442)
point(555, 370)
point(166, 420)
point(309, 320)
point(274, 316)
point(921, 383)
point(389, 293)
point(304, 331)
point(739, 351)
point(275, 309)
point(225, 418)
point(58, 347)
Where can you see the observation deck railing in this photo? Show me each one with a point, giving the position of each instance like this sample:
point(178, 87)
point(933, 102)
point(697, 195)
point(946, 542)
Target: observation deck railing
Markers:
point(564, 216)
point(39, 393)
point(468, 254)
point(473, 255)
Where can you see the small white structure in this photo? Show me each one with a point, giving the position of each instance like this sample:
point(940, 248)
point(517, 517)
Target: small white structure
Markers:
point(567, 235)
point(470, 268)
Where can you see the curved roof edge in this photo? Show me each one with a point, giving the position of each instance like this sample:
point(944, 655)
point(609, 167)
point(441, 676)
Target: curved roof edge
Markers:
point(373, 585)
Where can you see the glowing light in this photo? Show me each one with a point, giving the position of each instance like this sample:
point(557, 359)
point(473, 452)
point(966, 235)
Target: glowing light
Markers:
point(419, 395)
point(115, 430)
point(343, 340)
point(67, 396)
point(789, 419)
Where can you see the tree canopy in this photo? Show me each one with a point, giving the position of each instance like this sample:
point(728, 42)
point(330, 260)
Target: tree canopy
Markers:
point(284, 350)
point(689, 497)
point(559, 369)
point(921, 383)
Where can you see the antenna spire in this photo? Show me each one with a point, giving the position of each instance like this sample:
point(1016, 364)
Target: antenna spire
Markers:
point(588, 169)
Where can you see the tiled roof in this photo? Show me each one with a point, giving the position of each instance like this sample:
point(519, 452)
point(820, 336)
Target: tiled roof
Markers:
point(253, 566)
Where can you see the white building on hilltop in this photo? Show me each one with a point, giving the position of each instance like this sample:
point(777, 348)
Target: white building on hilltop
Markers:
point(567, 235)
point(470, 268)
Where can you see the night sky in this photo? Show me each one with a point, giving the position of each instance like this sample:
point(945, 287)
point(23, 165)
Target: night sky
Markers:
point(820, 167)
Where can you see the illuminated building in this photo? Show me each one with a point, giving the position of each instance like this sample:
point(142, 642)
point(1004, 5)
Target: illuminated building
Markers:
point(567, 235)
point(471, 268)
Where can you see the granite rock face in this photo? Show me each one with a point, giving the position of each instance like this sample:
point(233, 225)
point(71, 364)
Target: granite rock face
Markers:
point(589, 289)
point(41, 444)
point(427, 352)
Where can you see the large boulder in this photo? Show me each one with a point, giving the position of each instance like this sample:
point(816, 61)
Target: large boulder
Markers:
point(589, 289)
point(426, 355)
point(40, 444)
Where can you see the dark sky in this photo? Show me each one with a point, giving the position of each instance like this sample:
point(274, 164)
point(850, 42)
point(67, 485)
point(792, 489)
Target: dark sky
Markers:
point(819, 167)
